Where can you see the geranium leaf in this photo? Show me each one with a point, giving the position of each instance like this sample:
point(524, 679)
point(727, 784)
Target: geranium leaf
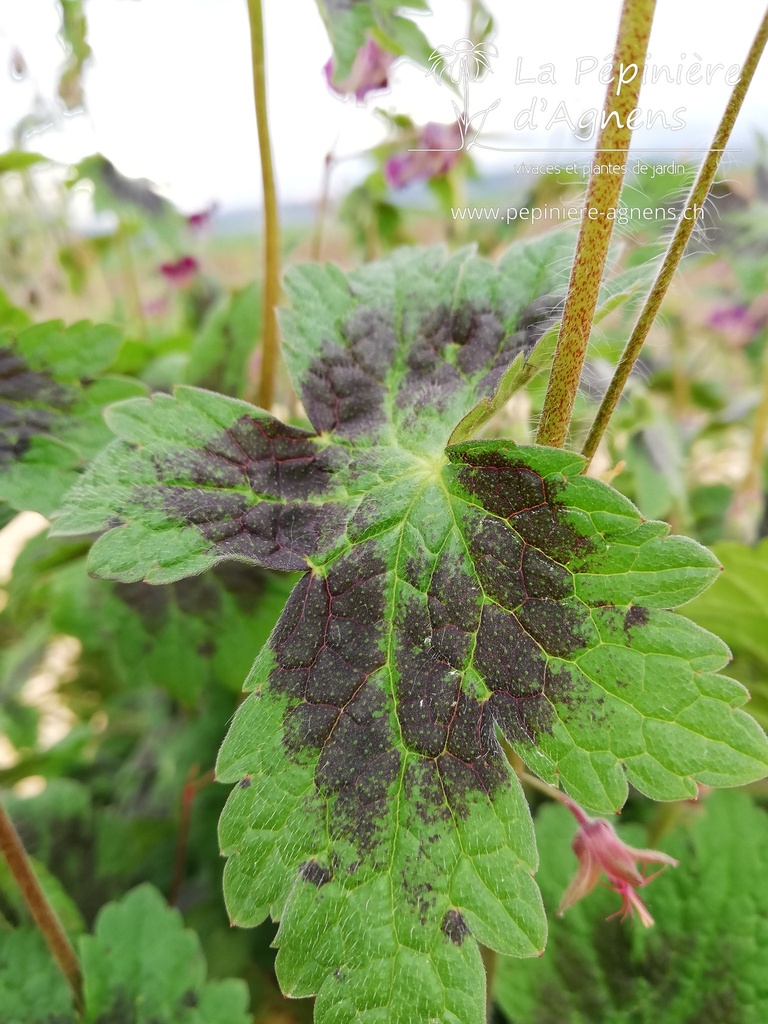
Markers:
point(453, 595)
point(142, 965)
point(349, 26)
point(32, 988)
point(51, 397)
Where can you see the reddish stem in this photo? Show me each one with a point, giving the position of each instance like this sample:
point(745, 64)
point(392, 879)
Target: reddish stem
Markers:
point(43, 914)
point(191, 788)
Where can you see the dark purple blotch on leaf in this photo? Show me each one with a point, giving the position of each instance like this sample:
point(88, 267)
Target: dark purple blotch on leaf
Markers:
point(455, 927)
point(315, 873)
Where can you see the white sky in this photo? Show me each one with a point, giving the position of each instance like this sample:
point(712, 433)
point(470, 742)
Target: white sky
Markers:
point(170, 97)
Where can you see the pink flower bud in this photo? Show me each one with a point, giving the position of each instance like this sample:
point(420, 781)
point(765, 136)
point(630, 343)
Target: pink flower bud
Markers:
point(600, 851)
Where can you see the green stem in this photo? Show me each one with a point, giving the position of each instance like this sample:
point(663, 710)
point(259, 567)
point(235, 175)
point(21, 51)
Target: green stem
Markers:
point(753, 480)
point(676, 248)
point(269, 344)
point(597, 223)
point(42, 912)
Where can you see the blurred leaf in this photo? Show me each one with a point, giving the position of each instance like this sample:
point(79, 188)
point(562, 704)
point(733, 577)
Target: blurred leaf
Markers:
point(350, 25)
point(134, 201)
point(179, 637)
point(709, 504)
point(220, 353)
point(51, 407)
point(703, 961)
point(736, 608)
point(183, 637)
point(11, 316)
point(32, 988)
point(74, 29)
point(142, 966)
point(373, 220)
point(64, 906)
point(18, 160)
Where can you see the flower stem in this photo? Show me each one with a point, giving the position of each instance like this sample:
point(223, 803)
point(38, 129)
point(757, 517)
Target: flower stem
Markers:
point(271, 293)
point(554, 794)
point(42, 912)
point(597, 225)
point(751, 485)
point(674, 253)
point(194, 783)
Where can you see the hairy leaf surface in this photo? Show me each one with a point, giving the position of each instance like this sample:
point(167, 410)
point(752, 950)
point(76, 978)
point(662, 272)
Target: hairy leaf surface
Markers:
point(703, 961)
point(455, 598)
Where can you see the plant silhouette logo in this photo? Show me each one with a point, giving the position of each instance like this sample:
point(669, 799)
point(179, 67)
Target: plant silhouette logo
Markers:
point(462, 63)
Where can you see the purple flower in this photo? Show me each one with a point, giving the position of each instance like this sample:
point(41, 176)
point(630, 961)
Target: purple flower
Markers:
point(369, 73)
point(739, 322)
point(727, 318)
point(181, 272)
point(439, 149)
point(202, 218)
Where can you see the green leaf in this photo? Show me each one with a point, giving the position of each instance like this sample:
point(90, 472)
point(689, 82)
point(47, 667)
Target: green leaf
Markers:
point(184, 637)
point(142, 965)
point(703, 961)
point(135, 201)
point(220, 354)
point(53, 890)
point(350, 24)
point(18, 160)
point(451, 596)
point(74, 30)
point(737, 608)
point(51, 400)
point(32, 988)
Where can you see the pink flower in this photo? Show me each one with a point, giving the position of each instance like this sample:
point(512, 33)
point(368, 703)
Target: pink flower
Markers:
point(369, 73)
point(181, 272)
point(202, 218)
point(600, 851)
point(438, 150)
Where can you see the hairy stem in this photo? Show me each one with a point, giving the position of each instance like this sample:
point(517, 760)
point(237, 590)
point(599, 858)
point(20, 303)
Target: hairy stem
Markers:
point(674, 253)
point(271, 293)
point(42, 912)
point(597, 223)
